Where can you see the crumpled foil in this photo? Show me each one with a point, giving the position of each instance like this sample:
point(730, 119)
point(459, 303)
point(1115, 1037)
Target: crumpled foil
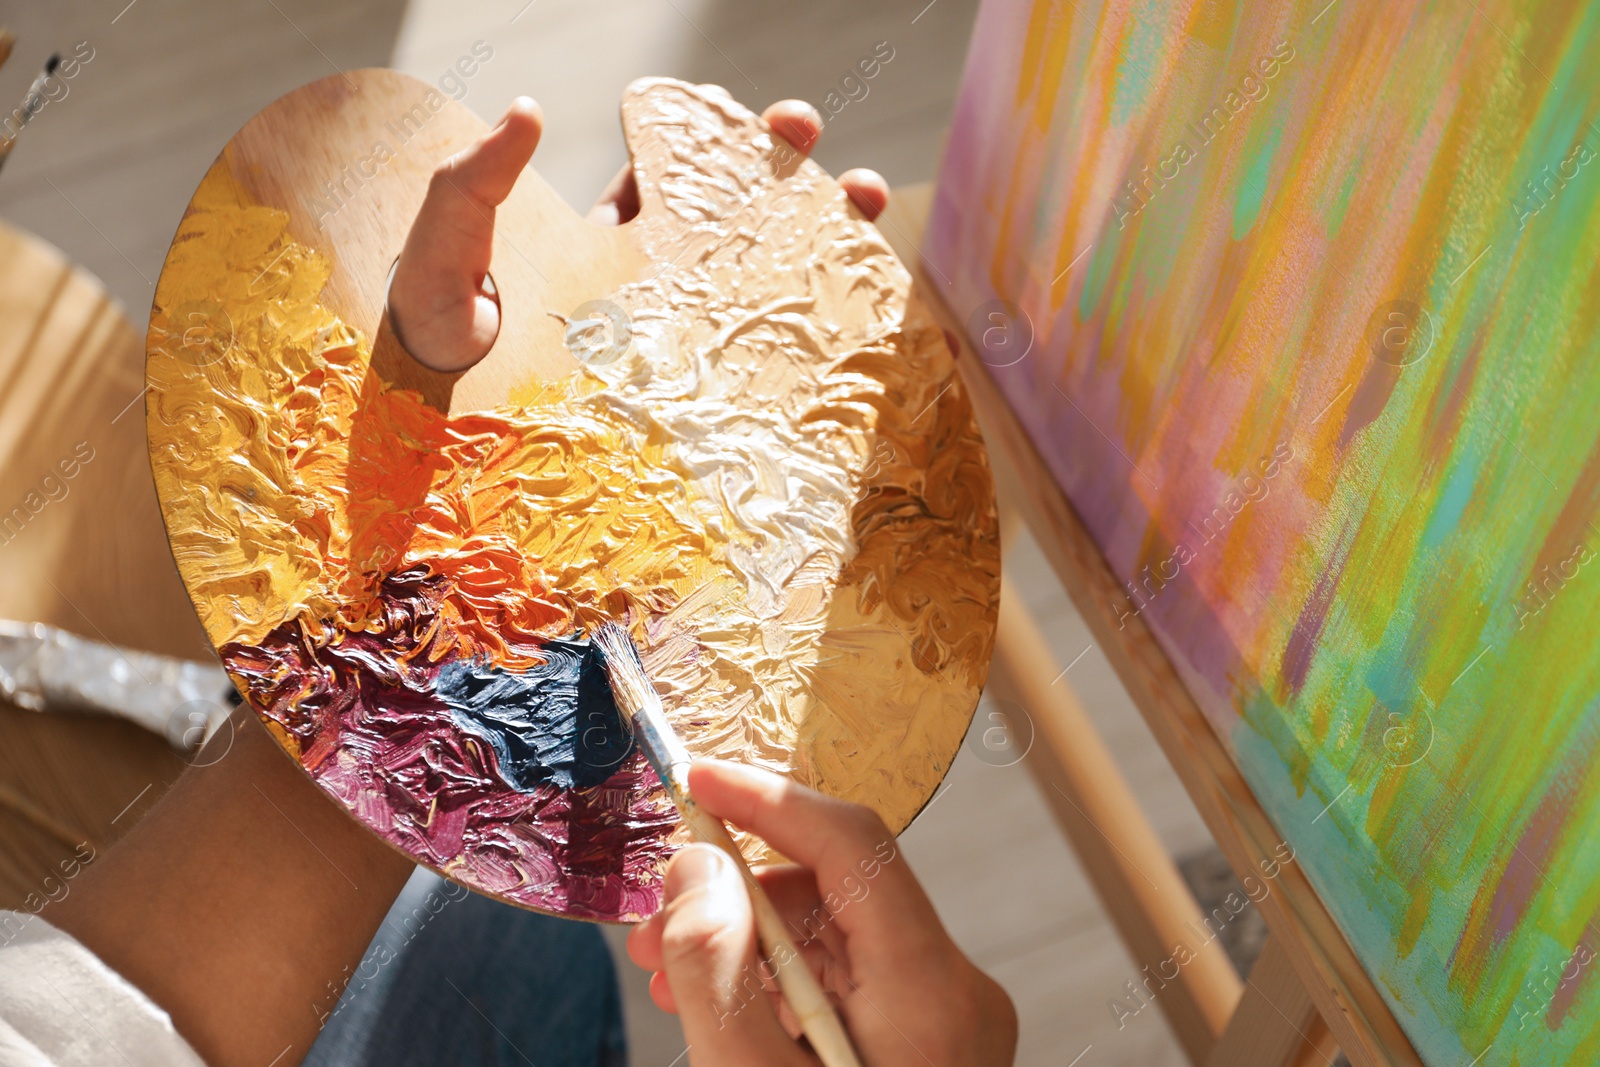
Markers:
point(44, 668)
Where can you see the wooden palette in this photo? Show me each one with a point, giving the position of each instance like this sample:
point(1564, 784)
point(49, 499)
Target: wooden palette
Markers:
point(726, 423)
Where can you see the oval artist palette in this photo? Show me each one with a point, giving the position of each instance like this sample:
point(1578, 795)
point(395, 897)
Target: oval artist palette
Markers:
point(764, 465)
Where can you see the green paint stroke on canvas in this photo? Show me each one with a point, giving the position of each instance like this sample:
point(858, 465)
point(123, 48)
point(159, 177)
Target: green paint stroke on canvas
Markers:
point(1326, 390)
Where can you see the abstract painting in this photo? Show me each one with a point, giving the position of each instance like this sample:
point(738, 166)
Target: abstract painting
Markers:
point(768, 472)
point(1299, 303)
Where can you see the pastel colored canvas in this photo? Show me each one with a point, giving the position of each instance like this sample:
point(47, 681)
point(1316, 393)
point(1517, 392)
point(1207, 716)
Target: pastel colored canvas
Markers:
point(727, 425)
point(1298, 302)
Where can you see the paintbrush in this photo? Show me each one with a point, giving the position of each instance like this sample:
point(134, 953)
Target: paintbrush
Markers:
point(32, 104)
point(641, 711)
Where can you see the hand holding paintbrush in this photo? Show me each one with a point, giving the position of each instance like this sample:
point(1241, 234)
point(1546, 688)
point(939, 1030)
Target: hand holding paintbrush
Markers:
point(908, 992)
point(641, 707)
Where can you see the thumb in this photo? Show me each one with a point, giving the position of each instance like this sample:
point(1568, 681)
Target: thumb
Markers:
point(440, 306)
point(708, 948)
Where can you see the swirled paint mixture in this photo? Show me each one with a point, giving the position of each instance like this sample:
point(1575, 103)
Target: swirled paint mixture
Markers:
point(778, 485)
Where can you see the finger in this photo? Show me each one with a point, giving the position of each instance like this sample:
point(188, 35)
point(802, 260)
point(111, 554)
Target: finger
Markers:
point(867, 191)
point(846, 845)
point(453, 236)
point(661, 993)
point(644, 944)
point(439, 304)
point(485, 172)
point(793, 891)
point(810, 919)
point(796, 122)
point(618, 202)
point(708, 946)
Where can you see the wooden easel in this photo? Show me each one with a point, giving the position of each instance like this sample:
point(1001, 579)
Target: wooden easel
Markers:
point(1307, 997)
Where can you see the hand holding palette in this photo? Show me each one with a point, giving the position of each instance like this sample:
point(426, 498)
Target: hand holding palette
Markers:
point(767, 468)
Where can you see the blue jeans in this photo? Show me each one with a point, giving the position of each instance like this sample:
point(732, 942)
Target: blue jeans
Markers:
point(454, 979)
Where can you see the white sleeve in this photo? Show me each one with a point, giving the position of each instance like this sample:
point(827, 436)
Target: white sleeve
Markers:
point(60, 1006)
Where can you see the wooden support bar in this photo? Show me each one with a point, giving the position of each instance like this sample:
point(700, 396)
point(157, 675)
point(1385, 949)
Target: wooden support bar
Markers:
point(1135, 878)
point(1320, 1048)
point(1276, 1024)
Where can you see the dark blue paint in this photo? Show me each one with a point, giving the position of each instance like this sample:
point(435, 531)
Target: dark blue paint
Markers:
point(554, 724)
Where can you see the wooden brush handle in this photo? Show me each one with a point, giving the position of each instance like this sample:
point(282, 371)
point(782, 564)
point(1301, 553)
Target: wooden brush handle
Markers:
point(800, 987)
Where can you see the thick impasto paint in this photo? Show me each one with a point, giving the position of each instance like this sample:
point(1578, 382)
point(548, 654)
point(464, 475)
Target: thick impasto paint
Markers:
point(1315, 353)
point(777, 485)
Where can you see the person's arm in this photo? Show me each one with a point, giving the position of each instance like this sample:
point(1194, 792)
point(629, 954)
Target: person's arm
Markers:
point(906, 992)
point(240, 904)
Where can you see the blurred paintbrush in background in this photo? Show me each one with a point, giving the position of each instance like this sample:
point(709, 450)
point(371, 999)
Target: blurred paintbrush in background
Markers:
point(32, 103)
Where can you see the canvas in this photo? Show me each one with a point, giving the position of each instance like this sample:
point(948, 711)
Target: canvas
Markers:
point(1298, 303)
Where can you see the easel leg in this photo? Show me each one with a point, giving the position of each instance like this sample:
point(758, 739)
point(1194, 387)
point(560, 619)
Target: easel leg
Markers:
point(1276, 1023)
point(1132, 873)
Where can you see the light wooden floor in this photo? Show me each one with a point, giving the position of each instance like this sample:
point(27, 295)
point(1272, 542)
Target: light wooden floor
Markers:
point(105, 173)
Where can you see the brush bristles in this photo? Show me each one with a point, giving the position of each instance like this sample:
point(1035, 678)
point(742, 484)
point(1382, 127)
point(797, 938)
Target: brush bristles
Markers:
point(630, 686)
